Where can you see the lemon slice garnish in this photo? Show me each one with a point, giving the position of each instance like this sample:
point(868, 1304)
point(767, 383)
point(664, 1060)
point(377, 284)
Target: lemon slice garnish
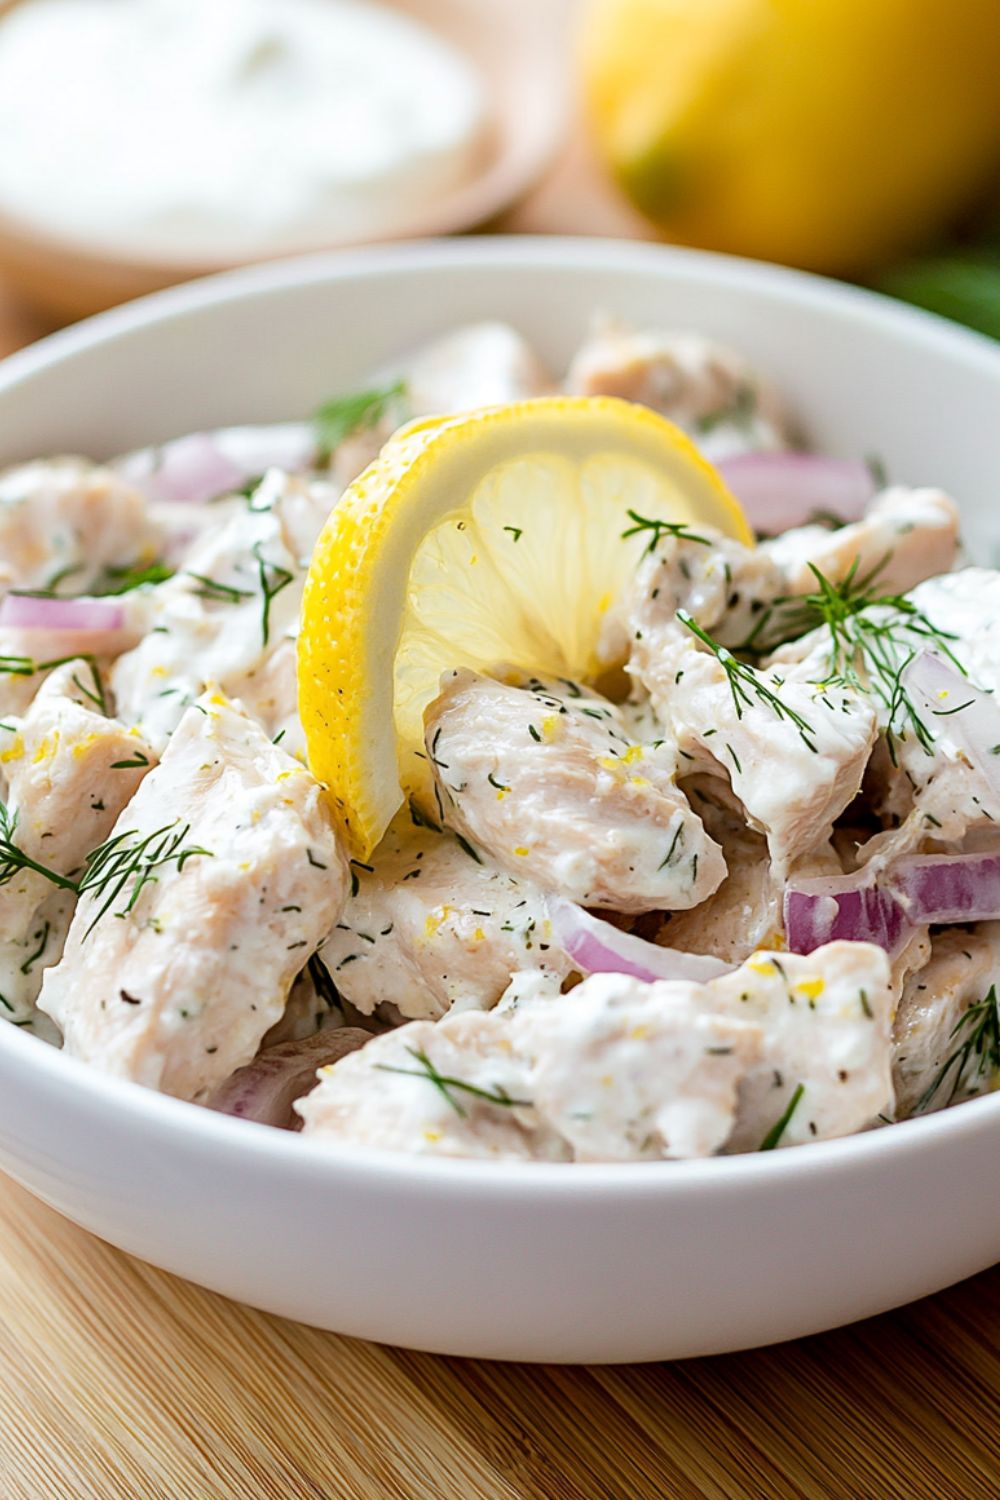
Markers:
point(493, 536)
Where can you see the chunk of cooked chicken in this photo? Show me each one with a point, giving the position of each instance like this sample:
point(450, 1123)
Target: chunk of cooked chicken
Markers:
point(780, 1052)
point(481, 364)
point(35, 919)
point(429, 926)
point(745, 913)
point(730, 719)
point(545, 781)
point(269, 692)
point(704, 387)
point(224, 877)
point(825, 1064)
point(234, 603)
point(614, 1071)
point(623, 1070)
point(925, 783)
point(928, 1029)
point(27, 656)
point(451, 1088)
point(67, 519)
point(904, 537)
point(70, 771)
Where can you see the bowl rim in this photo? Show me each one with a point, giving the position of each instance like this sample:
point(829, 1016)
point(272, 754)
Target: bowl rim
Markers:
point(315, 1161)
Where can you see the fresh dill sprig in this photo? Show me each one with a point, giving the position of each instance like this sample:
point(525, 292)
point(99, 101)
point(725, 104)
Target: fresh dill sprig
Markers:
point(115, 581)
point(779, 1127)
point(981, 1041)
point(125, 860)
point(20, 666)
point(445, 1084)
point(273, 578)
point(13, 858)
point(96, 697)
point(873, 637)
point(340, 418)
point(138, 759)
point(42, 937)
point(740, 411)
point(746, 684)
point(218, 593)
point(657, 529)
point(27, 666)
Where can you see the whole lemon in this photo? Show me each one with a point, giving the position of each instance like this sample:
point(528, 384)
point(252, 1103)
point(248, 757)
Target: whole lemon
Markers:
point(832, 134)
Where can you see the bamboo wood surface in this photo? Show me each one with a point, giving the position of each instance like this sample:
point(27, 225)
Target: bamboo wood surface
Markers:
point(122, 1383)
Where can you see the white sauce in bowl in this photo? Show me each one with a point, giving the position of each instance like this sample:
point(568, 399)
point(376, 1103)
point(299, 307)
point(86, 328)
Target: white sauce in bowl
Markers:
point(215, 128)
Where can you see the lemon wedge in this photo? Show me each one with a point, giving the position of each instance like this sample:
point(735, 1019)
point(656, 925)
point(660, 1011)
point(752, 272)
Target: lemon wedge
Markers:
point(490, 537)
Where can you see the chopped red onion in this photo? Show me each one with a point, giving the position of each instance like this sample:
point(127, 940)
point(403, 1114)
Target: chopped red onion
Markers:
point(948, 887)
point(597, 947)
point(849, 908)
point(917, 890)
point(33, 612)
point(266, 1088)
point(970, 717)
point(780, 490)
point(204, 465)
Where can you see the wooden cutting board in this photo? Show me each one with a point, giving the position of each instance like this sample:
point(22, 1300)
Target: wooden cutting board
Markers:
point(118, 1382)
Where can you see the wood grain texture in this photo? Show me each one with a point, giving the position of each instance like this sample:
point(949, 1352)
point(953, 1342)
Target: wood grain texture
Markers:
point(123, 1383)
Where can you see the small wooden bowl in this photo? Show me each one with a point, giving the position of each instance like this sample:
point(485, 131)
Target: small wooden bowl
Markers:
point(520, 49)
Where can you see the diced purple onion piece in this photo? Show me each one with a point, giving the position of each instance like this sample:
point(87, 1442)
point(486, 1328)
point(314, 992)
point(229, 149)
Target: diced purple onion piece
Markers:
point(848, 908)
point(204, 465)
point(781, 490)
point(596, 947)
point(32, 612)
point(266, 1088)
point(947, 887)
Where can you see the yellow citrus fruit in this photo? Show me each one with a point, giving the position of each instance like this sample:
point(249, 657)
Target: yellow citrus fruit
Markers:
point(491, 537)
point(831, 134)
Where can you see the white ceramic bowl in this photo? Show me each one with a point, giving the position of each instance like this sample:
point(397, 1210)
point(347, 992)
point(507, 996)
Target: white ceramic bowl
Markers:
point(543, 1262)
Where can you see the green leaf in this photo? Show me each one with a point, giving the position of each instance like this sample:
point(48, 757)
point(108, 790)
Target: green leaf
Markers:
point(965, 288)
point(778, 1129)
point(340, 418)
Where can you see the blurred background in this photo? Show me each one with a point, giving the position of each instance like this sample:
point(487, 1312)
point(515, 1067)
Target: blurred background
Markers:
point(143, 142)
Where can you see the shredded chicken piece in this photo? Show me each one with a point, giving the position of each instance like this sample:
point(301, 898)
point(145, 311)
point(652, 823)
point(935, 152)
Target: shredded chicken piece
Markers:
point(963, 965)
point(904, 537)
point(779, 1052)
point(546, 782)
point(745, 913)
point(175, 981)
point(232, 604)
point(428, 926)
point(616, 1070)
point(703, 386)
point(70, 771)
point(480, 364)
point(67, 520)
point(743, 723)
point(826, 1021)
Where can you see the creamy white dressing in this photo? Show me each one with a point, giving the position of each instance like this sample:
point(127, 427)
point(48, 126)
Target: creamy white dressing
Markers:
point(444, 936)
point(226, 128)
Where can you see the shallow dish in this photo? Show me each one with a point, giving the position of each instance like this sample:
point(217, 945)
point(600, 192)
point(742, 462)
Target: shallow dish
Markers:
point(519, 50)
point(572, 1263)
